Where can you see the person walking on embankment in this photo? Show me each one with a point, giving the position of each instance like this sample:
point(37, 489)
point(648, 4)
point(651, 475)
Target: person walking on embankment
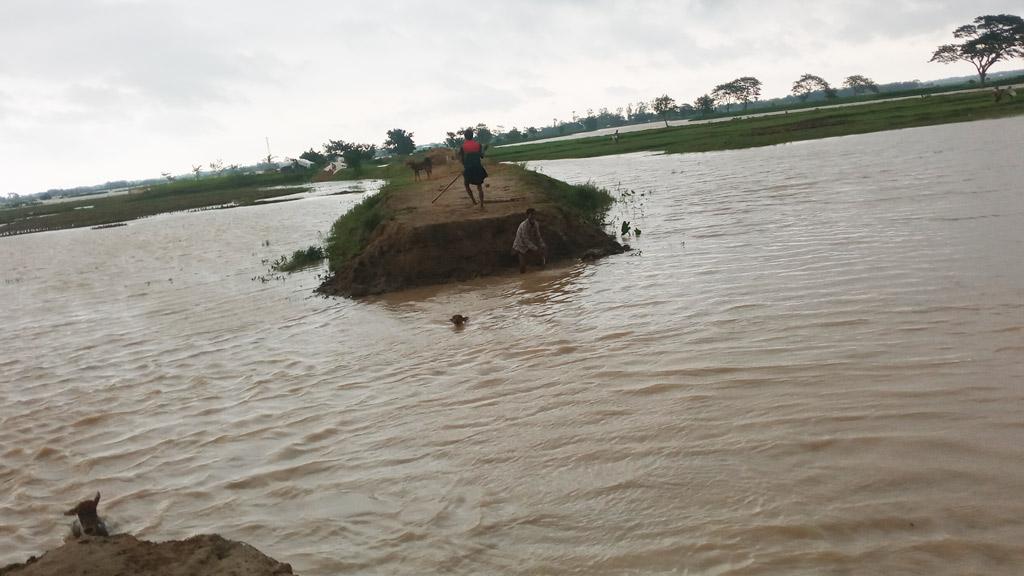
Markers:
point(472, 155)
point(528, 240)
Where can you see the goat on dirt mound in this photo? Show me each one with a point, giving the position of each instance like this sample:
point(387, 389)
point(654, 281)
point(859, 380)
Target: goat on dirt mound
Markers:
point(425, 165)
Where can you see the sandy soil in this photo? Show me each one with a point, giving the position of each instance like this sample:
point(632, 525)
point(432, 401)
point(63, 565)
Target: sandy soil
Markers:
point(502, 197)
point(205, 555)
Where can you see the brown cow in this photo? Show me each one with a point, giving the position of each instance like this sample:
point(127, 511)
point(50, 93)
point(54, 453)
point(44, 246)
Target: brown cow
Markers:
point(425, 165)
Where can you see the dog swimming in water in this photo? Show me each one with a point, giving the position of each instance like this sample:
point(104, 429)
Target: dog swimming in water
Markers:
point(88, 521)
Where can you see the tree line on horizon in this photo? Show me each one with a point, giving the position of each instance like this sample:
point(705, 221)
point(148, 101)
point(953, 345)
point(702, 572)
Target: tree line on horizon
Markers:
point(987, 40)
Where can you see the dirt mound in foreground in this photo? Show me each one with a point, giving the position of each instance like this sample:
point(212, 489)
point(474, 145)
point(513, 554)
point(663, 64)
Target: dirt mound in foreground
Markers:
point(205, 555)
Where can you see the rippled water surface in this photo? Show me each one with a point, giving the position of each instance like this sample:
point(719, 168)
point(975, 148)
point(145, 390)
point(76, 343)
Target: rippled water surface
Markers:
point(811, 364)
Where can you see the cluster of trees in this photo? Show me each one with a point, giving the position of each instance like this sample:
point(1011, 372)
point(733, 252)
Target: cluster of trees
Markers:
point(662, 107)
point(809, 84)
point(860, 84)
point(989, 39)
point(483, 135)
point(748, 89)
point(398, 142)
point(741, 90)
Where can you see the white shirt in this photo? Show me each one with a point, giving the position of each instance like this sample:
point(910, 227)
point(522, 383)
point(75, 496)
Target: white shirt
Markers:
point(528, 238)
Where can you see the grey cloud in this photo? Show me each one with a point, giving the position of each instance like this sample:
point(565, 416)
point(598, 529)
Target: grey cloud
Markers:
point(538, 91)
point(177, 68)
point(150, 50)
point(6, 105)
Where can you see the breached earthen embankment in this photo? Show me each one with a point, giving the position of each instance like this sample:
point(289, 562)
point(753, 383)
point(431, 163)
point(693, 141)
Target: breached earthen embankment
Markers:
point(421, 242)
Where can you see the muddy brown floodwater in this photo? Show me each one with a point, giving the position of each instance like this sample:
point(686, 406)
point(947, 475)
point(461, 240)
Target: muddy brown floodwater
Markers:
point(812, 364)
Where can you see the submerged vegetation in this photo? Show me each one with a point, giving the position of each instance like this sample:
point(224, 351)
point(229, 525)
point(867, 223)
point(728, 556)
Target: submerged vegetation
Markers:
point(299, 259)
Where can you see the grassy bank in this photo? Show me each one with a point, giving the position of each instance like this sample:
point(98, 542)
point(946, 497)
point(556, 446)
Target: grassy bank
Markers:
point(237, 189)
point(350, 232)
point(769, 130)
point(586, 202)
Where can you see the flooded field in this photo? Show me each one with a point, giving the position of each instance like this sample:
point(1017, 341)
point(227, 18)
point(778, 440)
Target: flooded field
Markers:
point(810, 364)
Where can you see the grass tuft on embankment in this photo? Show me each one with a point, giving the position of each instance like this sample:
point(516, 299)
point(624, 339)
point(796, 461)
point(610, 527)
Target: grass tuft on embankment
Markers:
point(586, 202)
point(350, 233)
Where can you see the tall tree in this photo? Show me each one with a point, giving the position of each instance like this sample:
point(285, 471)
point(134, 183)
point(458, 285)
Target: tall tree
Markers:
point(987, 40)
point(454, 139)
point(353, 159)
point(746, 89)
point(860, 84)
point(336, 147)
point(399, 142)
point(314, 157)
point(705, 104)
point(640, 112)
point(662, 105)
point(347, 150)
point(808, 84)
point(484, 135)
point(726, 94)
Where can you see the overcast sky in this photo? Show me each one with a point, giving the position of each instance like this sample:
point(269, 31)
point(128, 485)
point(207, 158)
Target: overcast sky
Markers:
point(98, 90)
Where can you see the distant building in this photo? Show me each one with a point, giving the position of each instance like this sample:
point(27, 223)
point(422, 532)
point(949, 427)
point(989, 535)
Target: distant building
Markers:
point(290, 164)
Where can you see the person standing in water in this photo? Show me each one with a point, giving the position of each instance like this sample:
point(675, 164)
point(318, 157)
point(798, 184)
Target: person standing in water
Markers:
point(472, 154)
point(528, 239)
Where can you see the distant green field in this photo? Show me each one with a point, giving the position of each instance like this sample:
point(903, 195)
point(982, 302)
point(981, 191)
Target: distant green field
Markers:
point(769, 130)
point(181, 195)
point(239, 189)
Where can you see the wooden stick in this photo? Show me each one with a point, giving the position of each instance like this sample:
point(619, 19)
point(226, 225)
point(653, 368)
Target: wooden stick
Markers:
point(445, 189)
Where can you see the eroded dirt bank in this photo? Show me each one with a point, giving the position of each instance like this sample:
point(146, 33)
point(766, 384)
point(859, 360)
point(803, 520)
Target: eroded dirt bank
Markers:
point(421, 243)
point(123, 554)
